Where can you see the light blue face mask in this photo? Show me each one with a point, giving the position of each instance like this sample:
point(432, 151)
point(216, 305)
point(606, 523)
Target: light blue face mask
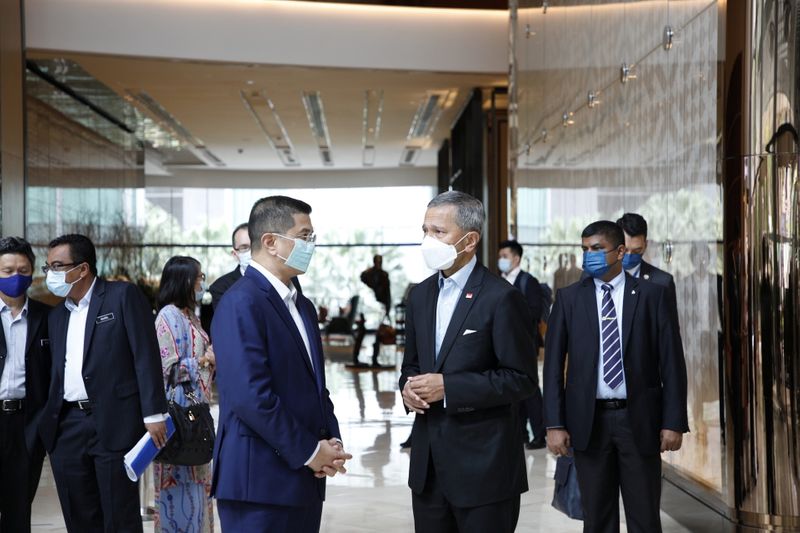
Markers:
point(631, 261)
point(594, 263)
point(301, 254)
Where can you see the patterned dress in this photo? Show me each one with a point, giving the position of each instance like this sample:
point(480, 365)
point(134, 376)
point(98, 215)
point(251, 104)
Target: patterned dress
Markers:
point(183, 493)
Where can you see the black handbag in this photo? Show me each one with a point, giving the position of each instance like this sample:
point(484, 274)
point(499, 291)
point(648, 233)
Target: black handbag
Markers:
point(567, 495)
point(192, 444)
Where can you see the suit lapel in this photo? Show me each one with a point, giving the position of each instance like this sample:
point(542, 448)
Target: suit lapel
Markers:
point(283, 312)
point(310, 322)
point(3, 351)
point(98, 295)
point(427, 333)
point(471, 289)
point(589, 298)
point(629, 301)
point(34, 320)
point(645, 270)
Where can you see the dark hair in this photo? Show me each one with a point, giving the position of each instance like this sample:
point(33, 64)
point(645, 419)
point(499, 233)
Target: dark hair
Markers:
point(513, 245)
point(177, 282)
point(81, 249)
point(633, 224)
point(273, 214)
point(17, 245)
point(605, 228)
point(241, 226)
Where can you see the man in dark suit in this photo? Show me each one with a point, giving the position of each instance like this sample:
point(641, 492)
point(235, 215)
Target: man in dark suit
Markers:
point(508, 262)
point(106, 389)
point(467, 365)
point(24, 379)
point(240, 252)
point(623, 398)
point(278, 436)
point(635, 228)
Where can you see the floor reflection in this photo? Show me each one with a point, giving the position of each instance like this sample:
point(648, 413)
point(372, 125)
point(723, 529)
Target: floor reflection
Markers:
point(373, 495)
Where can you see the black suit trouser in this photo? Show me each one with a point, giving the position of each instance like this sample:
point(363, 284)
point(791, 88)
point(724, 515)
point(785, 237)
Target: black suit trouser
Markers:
point(610, 464)
point(533, 412)
point(95, 493)
point(19, 474)
point(433, 513)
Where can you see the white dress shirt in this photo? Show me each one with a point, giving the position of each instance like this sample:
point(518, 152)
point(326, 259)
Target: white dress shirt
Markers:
point(604, 392)
point(15, 329)
point(511, 275)
point(74, 388)
point(450, 290)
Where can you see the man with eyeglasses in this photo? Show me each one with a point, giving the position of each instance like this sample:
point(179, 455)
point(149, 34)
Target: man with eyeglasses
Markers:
point(278, 437)
point(106, 389)
point(24, 379)
point(240, 252)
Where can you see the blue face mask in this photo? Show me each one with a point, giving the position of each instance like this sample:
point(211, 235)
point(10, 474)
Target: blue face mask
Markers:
point(594, 263)
point(16, 285)
point(631, 261)
point(301, 254)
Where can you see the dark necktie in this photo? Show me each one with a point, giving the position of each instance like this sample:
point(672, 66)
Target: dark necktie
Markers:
point(612, 349)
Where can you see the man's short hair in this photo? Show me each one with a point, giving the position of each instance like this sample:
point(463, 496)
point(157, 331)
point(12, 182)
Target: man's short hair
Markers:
point(273, 214)
point(514, 246)
point(81, 249)
point(633, 224)
point(469, 210)
point(605, 228)
point(17, 245)
point(242, 226)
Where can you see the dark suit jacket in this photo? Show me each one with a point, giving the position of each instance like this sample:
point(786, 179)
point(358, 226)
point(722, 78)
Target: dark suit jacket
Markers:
point(273, 408)
point(121, 365)
point(222, 284)
point(37, 370)
point(534, 297)
point(652, 352)
point(475, 441)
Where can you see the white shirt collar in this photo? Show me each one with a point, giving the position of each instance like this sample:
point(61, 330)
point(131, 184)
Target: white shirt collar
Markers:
point(71, 306)
point(513, 273)
point(462, 275)
point(615, 283)
point(4, 307)
point(282, 290)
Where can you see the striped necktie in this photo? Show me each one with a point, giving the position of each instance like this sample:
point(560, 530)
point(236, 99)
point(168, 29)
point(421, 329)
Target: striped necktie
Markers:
point(612, 349)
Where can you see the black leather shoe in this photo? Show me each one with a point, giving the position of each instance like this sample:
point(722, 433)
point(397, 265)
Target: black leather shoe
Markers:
point(536, 444)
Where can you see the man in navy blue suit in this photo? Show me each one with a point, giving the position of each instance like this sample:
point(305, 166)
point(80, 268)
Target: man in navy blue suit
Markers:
point(278, 437)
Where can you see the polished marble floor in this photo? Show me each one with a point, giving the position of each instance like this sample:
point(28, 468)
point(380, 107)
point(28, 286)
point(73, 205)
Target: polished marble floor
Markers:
point(373, 495)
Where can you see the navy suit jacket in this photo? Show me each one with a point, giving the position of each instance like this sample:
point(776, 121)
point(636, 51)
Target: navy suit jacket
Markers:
point(485, 359)
point(273, 408)
point(121, 365)
point(652, 353)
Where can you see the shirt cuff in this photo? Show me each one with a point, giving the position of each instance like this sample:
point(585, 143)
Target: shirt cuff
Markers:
point(154, 419)
point(316, 451)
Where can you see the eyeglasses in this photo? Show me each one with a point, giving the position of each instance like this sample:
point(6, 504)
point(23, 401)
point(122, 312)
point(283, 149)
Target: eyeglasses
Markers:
point(202, 276)
point(311, 237)
point(243, 248)
point(57, 267)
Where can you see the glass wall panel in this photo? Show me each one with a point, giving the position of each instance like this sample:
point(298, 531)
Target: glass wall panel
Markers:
point(618, 113)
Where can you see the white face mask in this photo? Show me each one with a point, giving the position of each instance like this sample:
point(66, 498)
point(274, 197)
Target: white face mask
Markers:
point(57, 282)
point(244, 259)
point(437, 254)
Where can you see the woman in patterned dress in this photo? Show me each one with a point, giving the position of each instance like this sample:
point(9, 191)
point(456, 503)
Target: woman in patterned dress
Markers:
point(182, 493)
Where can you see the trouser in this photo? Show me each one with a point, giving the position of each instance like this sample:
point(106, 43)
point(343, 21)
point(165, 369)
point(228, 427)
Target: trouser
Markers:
point(20, 470)
point(610, 464)
point(95, 493)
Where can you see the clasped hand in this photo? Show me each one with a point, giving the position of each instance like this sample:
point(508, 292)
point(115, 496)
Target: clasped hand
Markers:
point(421, 391)
point(330, 459)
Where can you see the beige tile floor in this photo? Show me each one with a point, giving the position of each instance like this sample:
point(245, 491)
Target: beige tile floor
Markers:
point(373, 495)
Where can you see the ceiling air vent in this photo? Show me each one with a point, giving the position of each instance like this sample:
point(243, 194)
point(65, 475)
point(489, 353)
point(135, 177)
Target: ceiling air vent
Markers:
point(312, 101)
point(424, 123)
point(148, 105)
point(266, 116)
point(371, 124)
